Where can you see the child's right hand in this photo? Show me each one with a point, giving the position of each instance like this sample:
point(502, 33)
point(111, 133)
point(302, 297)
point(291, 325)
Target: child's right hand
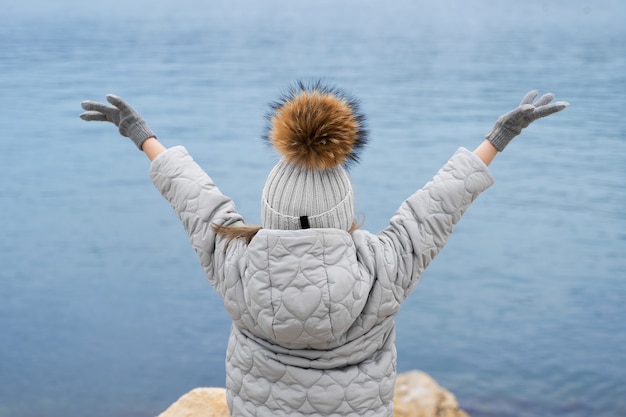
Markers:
point(122, 115)
point(511, 124)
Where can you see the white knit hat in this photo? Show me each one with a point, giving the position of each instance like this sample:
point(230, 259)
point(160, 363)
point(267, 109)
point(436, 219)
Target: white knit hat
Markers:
point(319, 131)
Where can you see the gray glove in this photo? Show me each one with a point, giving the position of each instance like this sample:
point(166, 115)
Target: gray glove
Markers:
point(511, 124)
point(122, 115)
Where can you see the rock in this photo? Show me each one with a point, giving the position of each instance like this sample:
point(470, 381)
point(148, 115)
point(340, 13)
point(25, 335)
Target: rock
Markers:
point(417, 395)
point(199, 402)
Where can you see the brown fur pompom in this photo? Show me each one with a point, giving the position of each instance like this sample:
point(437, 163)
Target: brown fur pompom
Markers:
point(317, 127)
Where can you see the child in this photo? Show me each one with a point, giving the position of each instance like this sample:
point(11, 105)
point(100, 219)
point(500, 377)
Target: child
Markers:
point(313, 297)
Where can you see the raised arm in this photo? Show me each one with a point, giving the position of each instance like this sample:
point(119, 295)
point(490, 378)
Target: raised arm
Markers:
point(424, 222)
point(128, 121)
point(194, 197)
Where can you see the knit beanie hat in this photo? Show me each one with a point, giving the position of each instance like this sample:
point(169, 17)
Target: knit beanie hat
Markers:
point(319, 132)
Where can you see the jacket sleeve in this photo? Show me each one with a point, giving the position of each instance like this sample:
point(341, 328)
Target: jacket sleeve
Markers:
point(198, 203)
point(424, 222)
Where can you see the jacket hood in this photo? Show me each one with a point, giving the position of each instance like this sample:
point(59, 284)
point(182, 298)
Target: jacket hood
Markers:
point(303, 289)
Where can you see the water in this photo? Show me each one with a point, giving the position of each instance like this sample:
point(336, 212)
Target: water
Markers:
point(104, 310)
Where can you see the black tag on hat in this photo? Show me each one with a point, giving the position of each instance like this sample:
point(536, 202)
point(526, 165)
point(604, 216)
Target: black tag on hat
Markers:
point(304, 222)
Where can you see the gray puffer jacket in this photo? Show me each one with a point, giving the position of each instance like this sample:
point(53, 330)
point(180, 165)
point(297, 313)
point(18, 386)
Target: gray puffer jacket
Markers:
point(313, 310)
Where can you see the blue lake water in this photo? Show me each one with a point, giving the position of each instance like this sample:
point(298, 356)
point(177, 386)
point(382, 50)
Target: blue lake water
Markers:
point(104, 309)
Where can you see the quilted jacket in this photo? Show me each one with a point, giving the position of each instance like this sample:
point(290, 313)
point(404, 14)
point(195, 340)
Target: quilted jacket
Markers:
point(313, 310)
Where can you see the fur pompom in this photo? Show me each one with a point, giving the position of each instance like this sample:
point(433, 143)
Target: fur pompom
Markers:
point(317, 127)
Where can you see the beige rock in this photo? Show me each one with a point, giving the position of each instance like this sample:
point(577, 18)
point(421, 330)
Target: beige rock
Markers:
point(199, 402)
point(417, 395)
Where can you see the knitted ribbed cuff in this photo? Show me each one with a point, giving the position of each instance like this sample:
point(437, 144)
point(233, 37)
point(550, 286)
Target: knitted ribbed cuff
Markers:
point(501, 136)
point(139, 132)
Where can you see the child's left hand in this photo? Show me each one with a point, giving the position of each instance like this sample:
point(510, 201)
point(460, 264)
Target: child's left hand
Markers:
point(122, 115)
